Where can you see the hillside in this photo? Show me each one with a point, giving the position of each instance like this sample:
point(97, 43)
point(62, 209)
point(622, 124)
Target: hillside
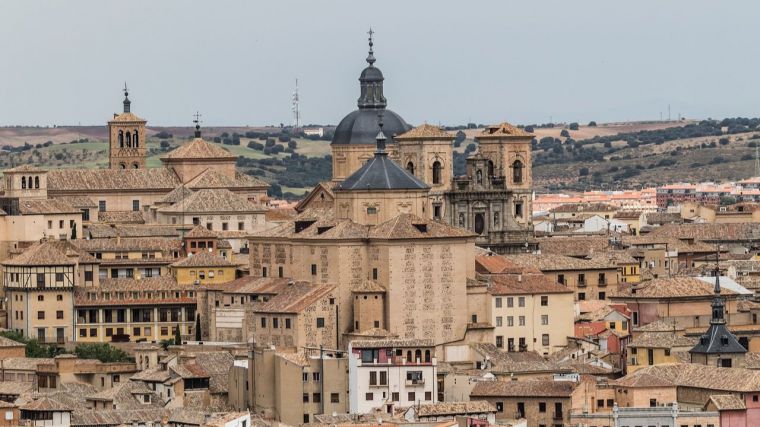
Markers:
point(612, 155)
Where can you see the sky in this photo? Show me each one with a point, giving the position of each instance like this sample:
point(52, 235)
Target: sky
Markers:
point(445, 62)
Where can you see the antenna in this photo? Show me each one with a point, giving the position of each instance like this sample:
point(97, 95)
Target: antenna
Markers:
point(757, 161)
point(296, 114)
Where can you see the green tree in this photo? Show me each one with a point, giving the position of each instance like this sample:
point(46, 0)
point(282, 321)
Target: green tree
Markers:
point(177, 336)
point(592, 124)
point(583, 172)
point(573, 126)
point(102, 351)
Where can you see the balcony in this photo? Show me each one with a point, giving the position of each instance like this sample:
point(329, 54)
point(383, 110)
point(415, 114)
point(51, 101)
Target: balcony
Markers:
point(581, 284)
point(415, 383)
point(557, 416)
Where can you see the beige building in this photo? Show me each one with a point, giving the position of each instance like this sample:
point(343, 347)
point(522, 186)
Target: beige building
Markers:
point(540, 402)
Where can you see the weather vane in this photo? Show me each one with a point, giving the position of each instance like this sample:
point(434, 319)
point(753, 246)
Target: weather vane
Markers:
point(126, 91)
point(197, 120)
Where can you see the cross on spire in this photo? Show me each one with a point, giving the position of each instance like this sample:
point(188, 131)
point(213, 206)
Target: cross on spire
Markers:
point(197, 122)
point(127, 102)
point(371, 55)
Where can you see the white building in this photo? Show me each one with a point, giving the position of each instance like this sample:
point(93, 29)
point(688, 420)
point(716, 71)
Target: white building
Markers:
point(389, 373)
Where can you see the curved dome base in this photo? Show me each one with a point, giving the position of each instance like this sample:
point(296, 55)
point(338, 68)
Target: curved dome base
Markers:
point(361, 126)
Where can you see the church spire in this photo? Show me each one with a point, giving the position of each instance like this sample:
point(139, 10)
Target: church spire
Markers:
point(380, 138)
point(371, 81)
point(127, 102)
point(718, 305)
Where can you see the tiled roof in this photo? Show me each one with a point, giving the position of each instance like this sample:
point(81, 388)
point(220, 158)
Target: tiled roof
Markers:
point(659, 218)
point(294, 298)
point(78, 201)
point(513, 284)
point(46, 206)
point(558, 262)
point(577, 246)
point(53, 252)
point(175, 195)
point(280, 214)
point(743, 231)
point(200, 231)
point(661, 340)
point(203, 259)
point(727, 402)
point(44, 403)
point(24, 363)
point(151, 375)
point(628, 214)
point(23, 169)
point(15, 387)
point(126, 117)
point(128, 287)
point(695, 376)
point(212, 200)
point(91, 180)
point(7, 342)
point(507, 362)
point(210, 178)
point(118, 417)
point(297, 358)
point(392, 343)
point(670, 287)
point(491, 263)
point(121, 217)
point(531, 388)
point(199, 149)
point(584, 207)
point(367, 286)
point(660, 325)
point(410, 226)
point(100, 231)
point(424, 131)
point(503, 130)
point(129, 244)
point(454, 408)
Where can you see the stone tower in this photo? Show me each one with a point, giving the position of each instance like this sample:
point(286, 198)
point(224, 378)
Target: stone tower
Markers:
point(126, 135)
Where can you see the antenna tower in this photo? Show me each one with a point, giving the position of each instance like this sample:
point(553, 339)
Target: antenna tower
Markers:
point(294, 107)
point(757, 161)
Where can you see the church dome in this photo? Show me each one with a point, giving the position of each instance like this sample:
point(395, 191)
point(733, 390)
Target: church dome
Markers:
point(360, 126)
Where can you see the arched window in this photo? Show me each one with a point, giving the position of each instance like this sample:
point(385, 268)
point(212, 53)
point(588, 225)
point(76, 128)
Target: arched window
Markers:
point(436, 172)
point(121, 139)
point(36, 182)
point(427, 356)
point(496, 219)
point(490, 168)
point(417, 356)
point(135, 166)
point(122, 165)
point(517, 170)
point(129, 140)
point(479, 177)
point(23, 182)
point(410, 167)
point(136, 140)
point(409, 356)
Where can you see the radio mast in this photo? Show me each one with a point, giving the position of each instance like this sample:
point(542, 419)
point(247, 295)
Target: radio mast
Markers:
point(294, 107)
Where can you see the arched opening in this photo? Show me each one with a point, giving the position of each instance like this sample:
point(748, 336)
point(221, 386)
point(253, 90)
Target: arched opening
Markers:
point(480, 223)
point(23, 182)
point(490, 168)
point(136, 140)
point(517, 172)
point(135, 166)
point(418, 356)
point(496, 219)
point(129, 140)
point(410, 168)
point(461, 220)
point(122, 165)
point(436, 172)
point(427, 356)
point(409, 356)
point(121, 139)
point(36, 182)
point(479, 177)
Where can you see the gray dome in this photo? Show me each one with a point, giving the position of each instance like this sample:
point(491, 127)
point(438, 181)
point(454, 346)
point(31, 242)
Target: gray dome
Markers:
point(360, 126)
point(371, 74)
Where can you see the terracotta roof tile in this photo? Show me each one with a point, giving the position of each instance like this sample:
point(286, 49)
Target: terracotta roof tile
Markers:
point(508, 362)
point(210, 178)
point(121, 217)
point(727, 402)
point(558, 262)
point(53, 252)
point(513, 284)
point(126, 117)
point(101, 231)
point(584, 207)
point(158, 179)
point(203, 259)
point(213, 200)
point(78, 201)
point(129, 244)
point(200, 231)
point(454, 408)
point(579, 246)
point(532, 388)
point(670, 287)
point(503, 130)
point(46, 206)
point(424, 131)
point(392, 343)
point(199, 149)
point(661, 340)
point(695, 376)
point(294, 298)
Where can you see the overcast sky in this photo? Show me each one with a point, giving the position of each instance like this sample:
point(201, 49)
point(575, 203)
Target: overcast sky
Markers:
point(449, 62)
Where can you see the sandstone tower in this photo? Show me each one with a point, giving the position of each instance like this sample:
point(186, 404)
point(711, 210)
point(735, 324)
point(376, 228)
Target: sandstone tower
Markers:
point(126, 134)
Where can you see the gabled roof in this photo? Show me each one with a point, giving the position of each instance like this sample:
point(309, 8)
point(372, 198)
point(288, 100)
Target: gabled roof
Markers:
point(381, 173)
point(112, 179)
point(59, 252)
point(24, 169)
point(294, 298)
point(126, 117)
point(200, 231)
point(523, 284)
point(46, 206)
point(411, 226)
point(528, 388)
point(670, 287)
point(727, 402)
point(210, 178)
point(198, 149)
point(176, 195)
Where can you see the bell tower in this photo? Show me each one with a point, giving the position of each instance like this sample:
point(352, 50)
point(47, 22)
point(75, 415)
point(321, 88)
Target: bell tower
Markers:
point(126, 135)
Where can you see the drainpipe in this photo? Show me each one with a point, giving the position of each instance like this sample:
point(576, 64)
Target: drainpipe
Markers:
point(322, 382)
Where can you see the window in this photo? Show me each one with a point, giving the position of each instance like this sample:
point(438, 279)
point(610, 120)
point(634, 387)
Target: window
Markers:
point(581, 279)
point(368, 397)
point(373, 378)
point(522, 320)
point(500, 406)
point(499, 341)
point(428, 395)
point(498, 302)
point(544, 300)
point(93, 332)
point(101, 206)
point(40, 297)
point(314, 269)
point(545, 340)
point(316, 397)
point(667, 352)
point(263, 272)
point(436, 172)
point(602, 295)
point(209, 226)
point(320, 322)
point(59, 314)
point(371, 211)
point(83, 332)
point(600, 403)
point(334, 398)
point(544, 319)
point(109, 332)
point(383, 377)
point(518, 209)
point(40, 315)
point(275, 323)
point(510, 302)
point(135, 205)
point(410, 396)
point(581, 296)
point(88, 276)
point(287, 323)
point(517, 168)
point(263, 322)
point(541, 406)
point(225, 226)
point(306, 398)
point(315, 377)
point(305, 377)
point(612, 325)
point(561, 279)
point(521, 301)
point(394, 396)
point(59, 277)
point(510, 321)
point(498, 320)
point(60, 224)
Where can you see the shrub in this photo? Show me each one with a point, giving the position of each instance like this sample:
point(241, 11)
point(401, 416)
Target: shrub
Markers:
point(255, 145)
point(573, 126)
point(723, 141)
point(583, 172)
point(565, 133)
point(592, 124)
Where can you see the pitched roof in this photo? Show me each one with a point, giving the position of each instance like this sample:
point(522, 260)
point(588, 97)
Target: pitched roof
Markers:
point(78, 201)
point(212, 200)
point(210, 178)
point(57, 252)
point(199, 149)
point(294, 298)
point(203, 259)
point(696, 376)
point(490, 263)
point(423, 132)
point(121, 217)
point(175, 195)
point(530, 388)
point(46, 206)
point(7, 342)
point(90, 180)
point(507, 362)
point(555, 262)
point(576, 246)
point(406, 226)
point(454, 408)
point(44, 403)
point(200, 231)
point(727, 402)
point(741, 231)
point(661, 340)
point(503, 129)
point(512, 284)
point(102, 231)
point(670, 287)
point(128, 244)
point(23, 169)
point(584, 207)
point(126, 117)
point(381, 173)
